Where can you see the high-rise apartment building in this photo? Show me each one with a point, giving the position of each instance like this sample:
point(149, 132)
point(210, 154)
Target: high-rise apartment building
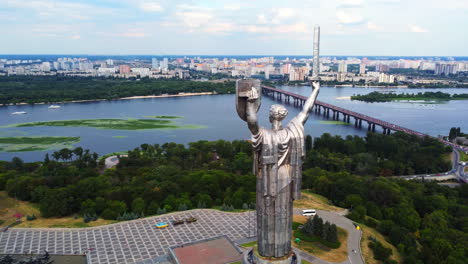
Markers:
point(362, 68)
point(165, 64)
point(123, 69)
point(343, 66)
point(154, 63)
point(445, 69)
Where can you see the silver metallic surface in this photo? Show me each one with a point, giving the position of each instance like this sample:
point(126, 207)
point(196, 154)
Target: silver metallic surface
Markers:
point(243, 88)
point(278, 157)
point(316, 63)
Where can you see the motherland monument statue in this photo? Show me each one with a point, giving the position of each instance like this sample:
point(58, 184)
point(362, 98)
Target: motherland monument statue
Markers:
point(278, 157)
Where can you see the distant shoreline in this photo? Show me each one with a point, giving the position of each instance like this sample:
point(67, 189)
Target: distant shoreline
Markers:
point(118, 99)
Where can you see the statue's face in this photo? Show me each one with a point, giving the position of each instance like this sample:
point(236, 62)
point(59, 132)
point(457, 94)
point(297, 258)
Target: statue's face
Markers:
point(278, 112)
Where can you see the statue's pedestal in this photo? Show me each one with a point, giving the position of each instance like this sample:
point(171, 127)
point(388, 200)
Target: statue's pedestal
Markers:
point(251, 257)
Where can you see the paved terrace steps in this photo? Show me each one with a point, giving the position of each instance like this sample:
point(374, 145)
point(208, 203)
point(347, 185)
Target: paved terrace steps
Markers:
point(127, 242)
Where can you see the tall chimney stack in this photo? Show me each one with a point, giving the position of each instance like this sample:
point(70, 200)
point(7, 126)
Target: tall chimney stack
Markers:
point(316, 63)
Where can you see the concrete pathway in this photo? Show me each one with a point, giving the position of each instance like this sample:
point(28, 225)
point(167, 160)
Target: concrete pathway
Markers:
point(354, 237)
point(112, 161)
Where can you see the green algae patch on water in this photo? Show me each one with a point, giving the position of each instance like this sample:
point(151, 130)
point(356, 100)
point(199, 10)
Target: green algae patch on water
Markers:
point(116, 124)
point(334, 123)
point(26, 144)
point(165, 117)
point(119, 136)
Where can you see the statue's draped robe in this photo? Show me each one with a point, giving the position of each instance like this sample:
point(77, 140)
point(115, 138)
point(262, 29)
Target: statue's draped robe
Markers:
point(278, 157)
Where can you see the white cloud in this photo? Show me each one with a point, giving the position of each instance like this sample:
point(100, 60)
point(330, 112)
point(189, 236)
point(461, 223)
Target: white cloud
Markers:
point(194, 19)
point(350, 3)
point(51, 28)
point(372, 26)
point(417, 29)
point(232, 7)
point(57, 10)
point(386, 1)
point(349, 16)
point(284, 12)
point(151, 6)
point(75, 37)
point(277, 29)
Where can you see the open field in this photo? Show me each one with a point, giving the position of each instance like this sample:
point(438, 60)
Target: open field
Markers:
point(22, 144)
point(367, 252)
point(9, 207)
point(312, 200)
point(117, 124)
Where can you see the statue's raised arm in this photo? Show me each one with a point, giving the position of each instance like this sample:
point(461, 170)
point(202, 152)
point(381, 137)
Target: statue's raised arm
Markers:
point(251, 111)
point(304, 114)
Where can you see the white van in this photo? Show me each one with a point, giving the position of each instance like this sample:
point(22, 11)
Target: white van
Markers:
point(309, 212)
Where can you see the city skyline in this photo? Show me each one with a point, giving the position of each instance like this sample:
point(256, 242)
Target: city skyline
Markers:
point(122, 27)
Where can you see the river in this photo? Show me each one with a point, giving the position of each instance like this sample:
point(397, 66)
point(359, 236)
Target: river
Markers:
point(218, 115)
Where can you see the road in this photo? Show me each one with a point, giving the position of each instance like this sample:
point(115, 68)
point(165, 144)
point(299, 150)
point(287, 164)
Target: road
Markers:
point(461, 168)
point(457, 172)
point(354, 237)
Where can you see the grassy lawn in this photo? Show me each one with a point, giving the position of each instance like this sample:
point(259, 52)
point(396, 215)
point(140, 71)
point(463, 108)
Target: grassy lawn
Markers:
point(10, 207)
point(321, 251)
point(119, 124)
point(463, 156)
point(22, 144)
point(367, 252)
point(314, 201)
point(249, 244)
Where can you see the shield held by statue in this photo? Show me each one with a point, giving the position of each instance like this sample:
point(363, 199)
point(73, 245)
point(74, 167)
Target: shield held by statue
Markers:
point(243, 87)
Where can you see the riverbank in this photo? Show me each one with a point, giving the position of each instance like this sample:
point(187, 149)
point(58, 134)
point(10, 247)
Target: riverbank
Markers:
point(122, 98)
point(427, 96)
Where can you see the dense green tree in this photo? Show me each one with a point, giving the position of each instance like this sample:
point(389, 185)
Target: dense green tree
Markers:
point(138, 205)
point(56, 203)
point(114, 209)
point(88, 207)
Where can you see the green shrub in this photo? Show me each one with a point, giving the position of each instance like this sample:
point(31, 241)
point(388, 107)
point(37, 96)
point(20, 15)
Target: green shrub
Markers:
point(380, 252)
point(31, 217)
point(296, 225)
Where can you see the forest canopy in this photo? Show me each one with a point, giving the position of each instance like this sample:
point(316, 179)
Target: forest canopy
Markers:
point(39, 89)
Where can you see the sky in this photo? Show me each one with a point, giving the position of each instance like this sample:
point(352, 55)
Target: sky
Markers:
point(234, 27)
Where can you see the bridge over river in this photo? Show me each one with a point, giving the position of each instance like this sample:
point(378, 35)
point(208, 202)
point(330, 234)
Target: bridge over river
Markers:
point(336, 113)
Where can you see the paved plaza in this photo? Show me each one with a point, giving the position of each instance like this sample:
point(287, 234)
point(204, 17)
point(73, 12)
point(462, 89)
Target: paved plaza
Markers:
point(137, 241)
